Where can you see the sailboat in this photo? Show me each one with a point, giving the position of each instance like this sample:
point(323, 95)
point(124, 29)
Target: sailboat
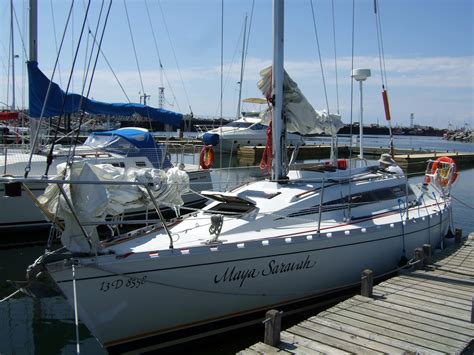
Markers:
point(124, 148)
point(289, 238)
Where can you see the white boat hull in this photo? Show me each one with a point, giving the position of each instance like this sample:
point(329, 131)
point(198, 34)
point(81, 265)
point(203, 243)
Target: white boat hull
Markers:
point(152, 294)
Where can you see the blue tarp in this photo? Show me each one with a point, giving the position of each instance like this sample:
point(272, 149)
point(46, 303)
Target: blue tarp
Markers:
point(140, 138)
point(38, 87)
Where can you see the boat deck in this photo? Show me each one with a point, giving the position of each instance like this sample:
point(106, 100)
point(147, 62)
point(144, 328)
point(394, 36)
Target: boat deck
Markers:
point(423, 311)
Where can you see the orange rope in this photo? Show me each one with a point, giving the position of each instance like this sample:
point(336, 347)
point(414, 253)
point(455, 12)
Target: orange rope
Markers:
point(266, 162)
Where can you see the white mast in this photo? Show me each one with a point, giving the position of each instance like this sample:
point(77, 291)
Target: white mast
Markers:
point(242, 69)
point(278, 121)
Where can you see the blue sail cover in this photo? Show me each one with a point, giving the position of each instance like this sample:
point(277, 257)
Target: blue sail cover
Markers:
point(38, 87)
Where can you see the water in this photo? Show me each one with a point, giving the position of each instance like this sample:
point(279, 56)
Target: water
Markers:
point(46, 326)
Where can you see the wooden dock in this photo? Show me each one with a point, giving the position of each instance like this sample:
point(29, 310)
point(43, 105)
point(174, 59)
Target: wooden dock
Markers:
point(422, 311)
point(410, 160)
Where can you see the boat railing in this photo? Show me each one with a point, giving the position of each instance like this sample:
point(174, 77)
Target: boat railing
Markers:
point(15, 185)
point(179, 151)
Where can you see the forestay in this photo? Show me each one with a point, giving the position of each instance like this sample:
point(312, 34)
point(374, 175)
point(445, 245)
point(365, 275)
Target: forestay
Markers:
point(302, 117)
point(93, 202)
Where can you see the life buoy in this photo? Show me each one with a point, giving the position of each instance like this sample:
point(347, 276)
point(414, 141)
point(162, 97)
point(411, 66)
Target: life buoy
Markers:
point(206, 157)
point(441, 168)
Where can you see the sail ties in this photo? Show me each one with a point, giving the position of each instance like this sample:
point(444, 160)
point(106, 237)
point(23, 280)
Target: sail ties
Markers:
point(266, 162)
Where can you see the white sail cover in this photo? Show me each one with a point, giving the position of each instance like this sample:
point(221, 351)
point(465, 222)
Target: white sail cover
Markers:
point(95, 202)
point(301, 116)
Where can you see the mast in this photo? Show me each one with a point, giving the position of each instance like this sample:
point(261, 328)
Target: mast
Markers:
point(278, 121)
point(33, 30)
point(13, 55)
point(242, 69)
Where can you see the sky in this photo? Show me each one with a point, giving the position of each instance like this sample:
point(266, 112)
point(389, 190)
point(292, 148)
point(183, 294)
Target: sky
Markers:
point(428, 48)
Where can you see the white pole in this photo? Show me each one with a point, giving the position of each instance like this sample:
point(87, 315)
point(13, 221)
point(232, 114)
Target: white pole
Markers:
point(361, 123)
point(278, 124)
point(361, 75)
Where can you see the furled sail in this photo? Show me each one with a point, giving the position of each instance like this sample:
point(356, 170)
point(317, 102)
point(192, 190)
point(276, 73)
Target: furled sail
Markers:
point(99, 200)
point(38, 88)
point(301, 116)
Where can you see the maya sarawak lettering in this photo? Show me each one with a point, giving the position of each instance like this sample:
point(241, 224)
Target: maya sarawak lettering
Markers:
point(274, 267)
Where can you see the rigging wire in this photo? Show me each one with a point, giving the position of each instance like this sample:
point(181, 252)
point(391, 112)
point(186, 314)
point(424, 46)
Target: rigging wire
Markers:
point(49, 158)
point(56, 64)
point(55, 39)
point(110, 67)
point(383, 73)
point(349, 204)
point(335, 55)
point(333, 134)
point(82, 103)
point(133, 44)
point(81, 107)
point(175, 58)
point(229, 70)
point(248, 34)
point(93, 35)
point(222, 74)
point(155, 42)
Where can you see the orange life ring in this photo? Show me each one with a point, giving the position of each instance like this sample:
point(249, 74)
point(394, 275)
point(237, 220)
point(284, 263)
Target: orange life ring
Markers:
point(442, 170)
point(206, 157)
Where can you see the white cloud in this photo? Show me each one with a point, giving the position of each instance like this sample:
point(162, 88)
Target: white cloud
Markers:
point(432, 87)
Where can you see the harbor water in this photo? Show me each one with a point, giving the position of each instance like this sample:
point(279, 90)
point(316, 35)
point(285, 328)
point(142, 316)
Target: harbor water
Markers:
point(47, 326)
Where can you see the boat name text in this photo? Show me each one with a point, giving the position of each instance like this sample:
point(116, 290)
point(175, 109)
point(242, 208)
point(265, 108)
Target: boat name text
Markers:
point(233, 274)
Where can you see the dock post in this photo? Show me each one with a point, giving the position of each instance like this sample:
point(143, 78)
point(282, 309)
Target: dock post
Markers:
point(458, 236)
point(472, 310)
point(272, 327)
point(419, 257)
point(427, 253)
point(367, 283)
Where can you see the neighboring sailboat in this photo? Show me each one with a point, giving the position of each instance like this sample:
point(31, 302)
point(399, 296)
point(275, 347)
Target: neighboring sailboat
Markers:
point(123, 148)
point(251, 129)
point(300, 234)
point(126, 148)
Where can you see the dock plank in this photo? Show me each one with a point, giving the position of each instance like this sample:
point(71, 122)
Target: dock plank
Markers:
point(342, 344)
point(290, 339)
point(418, 311)
point(408, 308)
point(401, 317)
point(386, 341)
point(263, 348)
point(347, 333)
point(423, 296)
point(433, 287)
point(398, 332)
point(440, 309)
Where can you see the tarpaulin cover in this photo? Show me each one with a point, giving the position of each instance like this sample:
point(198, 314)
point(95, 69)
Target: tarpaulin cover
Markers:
point(38, 87)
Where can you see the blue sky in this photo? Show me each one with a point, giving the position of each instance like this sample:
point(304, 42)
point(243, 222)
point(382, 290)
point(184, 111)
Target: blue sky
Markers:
point(428, 47)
